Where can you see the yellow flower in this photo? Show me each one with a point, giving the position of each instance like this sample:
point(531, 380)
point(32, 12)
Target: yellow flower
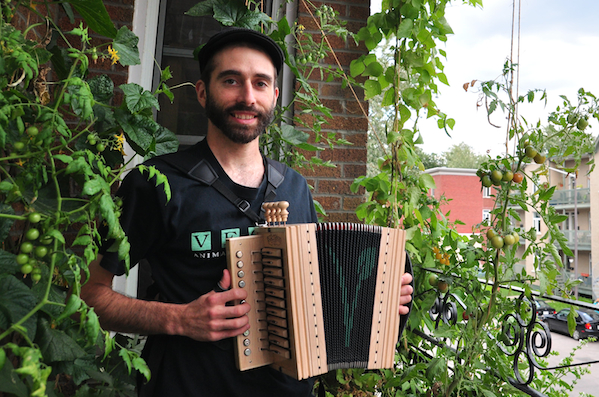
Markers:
point(301, 28)
point(113, 54)
point(120, 140)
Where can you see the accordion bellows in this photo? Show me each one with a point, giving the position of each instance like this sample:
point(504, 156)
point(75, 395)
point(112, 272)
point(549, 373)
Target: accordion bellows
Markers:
point(323, 296)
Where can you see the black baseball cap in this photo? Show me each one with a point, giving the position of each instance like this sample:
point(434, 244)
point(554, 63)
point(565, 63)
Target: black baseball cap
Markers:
point(241, 35)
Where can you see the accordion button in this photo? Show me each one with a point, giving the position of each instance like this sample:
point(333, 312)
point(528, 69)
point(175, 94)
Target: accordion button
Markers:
point(239, 254)
point(247, 352)
point(241, 284)
point(240, 274)
point(246, 333)
point(246, 342)
point(239, 264)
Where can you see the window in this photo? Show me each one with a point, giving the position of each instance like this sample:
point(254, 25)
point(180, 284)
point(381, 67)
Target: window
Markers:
point(486, 192)
point(487, 215)
point(536, 222)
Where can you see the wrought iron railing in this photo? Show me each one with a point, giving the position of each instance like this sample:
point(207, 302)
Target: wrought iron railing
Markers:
point(525, 338)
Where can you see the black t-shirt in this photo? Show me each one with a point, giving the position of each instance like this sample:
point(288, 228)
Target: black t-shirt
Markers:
point(183, 241)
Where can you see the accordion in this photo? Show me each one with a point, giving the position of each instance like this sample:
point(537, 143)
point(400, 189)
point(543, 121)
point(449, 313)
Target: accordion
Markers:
point(323, 296)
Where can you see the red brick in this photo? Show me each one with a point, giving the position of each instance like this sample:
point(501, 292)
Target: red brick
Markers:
point(344, 155)
point(330, 203)
point(337, 91)
point(354, 170)
point(348, 123)
point(342, 57)
point(322, 171)
point(333, 186)
point(341, 217)
point(120, 13)
point(359, 12)
point(355, 107)
point(359, 139)
point(351, 203)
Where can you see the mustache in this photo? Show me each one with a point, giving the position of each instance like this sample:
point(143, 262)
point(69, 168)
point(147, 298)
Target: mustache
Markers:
point(245, 108)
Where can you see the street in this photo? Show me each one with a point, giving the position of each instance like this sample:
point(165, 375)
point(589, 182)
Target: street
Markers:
point(563, 344)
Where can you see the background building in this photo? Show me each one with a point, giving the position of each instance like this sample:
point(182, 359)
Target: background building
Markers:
point(576, 196)
point(468, 201)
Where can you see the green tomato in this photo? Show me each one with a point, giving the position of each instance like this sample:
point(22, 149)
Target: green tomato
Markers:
point(496, 176)
point(433, 280)
point(26, 247)
point(35, 217)
point(100, 147)
point(46, 239)
point(486, 180)
point(491, 233)
point(19, 145)
point(530, 151)
point(582, 124)
point(508, 175)
point(26, 268)
point(36, 277)
point(32, 234)
point(497, 242)
point(32, 131)
point(41, 251)
point(539, 158)
point(516, 237)
point(22, 259)
point(509, 239)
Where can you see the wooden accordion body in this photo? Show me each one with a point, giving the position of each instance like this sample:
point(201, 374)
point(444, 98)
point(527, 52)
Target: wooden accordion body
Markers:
point(323, 296)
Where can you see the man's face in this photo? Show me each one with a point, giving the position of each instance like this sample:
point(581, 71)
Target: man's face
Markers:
point(242, 94)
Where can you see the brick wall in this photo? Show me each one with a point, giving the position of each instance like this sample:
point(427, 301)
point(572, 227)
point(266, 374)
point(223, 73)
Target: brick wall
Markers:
point(463, 188)
point(332, 185)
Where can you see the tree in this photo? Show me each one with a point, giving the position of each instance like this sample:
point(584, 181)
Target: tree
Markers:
point(463, 156)
point(431, 160)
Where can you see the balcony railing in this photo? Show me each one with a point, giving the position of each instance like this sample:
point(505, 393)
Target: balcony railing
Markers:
point(566, 197)
point(584, 238)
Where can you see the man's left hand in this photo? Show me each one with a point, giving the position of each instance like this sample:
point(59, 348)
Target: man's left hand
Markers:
point(405, 294)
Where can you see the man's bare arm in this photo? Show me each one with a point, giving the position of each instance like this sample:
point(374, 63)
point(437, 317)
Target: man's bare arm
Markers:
point(206, 319)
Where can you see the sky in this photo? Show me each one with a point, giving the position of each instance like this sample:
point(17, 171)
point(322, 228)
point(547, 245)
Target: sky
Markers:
point(559, 53)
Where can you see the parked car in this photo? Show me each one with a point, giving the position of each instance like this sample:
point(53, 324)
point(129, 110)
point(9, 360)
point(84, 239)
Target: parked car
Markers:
point(587, 323)
point(543, 308)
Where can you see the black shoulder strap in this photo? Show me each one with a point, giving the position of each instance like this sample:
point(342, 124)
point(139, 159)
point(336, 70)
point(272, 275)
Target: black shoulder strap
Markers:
point(186, 162)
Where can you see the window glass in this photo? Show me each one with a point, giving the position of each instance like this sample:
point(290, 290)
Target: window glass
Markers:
point(178, 36)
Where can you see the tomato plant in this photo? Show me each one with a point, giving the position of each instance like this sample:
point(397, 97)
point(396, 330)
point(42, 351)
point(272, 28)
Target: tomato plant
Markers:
point(46, 132)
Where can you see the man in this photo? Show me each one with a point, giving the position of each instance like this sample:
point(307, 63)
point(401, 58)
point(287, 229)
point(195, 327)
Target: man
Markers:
point(190, 350)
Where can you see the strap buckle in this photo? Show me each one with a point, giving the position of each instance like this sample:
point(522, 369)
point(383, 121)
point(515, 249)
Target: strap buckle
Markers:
point(243, 205)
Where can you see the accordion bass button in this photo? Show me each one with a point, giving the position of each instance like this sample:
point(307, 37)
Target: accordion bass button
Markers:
point(239, 254)
point(241, 284)
point(246, 333)
point(247, 352)
point(240, 274)
point(239, 264)
point(246, 342)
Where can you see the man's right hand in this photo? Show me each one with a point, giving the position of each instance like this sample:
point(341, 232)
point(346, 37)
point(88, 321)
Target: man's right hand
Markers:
point(208, 318)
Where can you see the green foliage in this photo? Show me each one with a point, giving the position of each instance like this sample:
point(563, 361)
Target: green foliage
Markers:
point(465, 353)
point(62, 151)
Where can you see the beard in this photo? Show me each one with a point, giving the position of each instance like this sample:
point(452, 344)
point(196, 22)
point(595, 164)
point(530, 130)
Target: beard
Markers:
point(220, 117)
